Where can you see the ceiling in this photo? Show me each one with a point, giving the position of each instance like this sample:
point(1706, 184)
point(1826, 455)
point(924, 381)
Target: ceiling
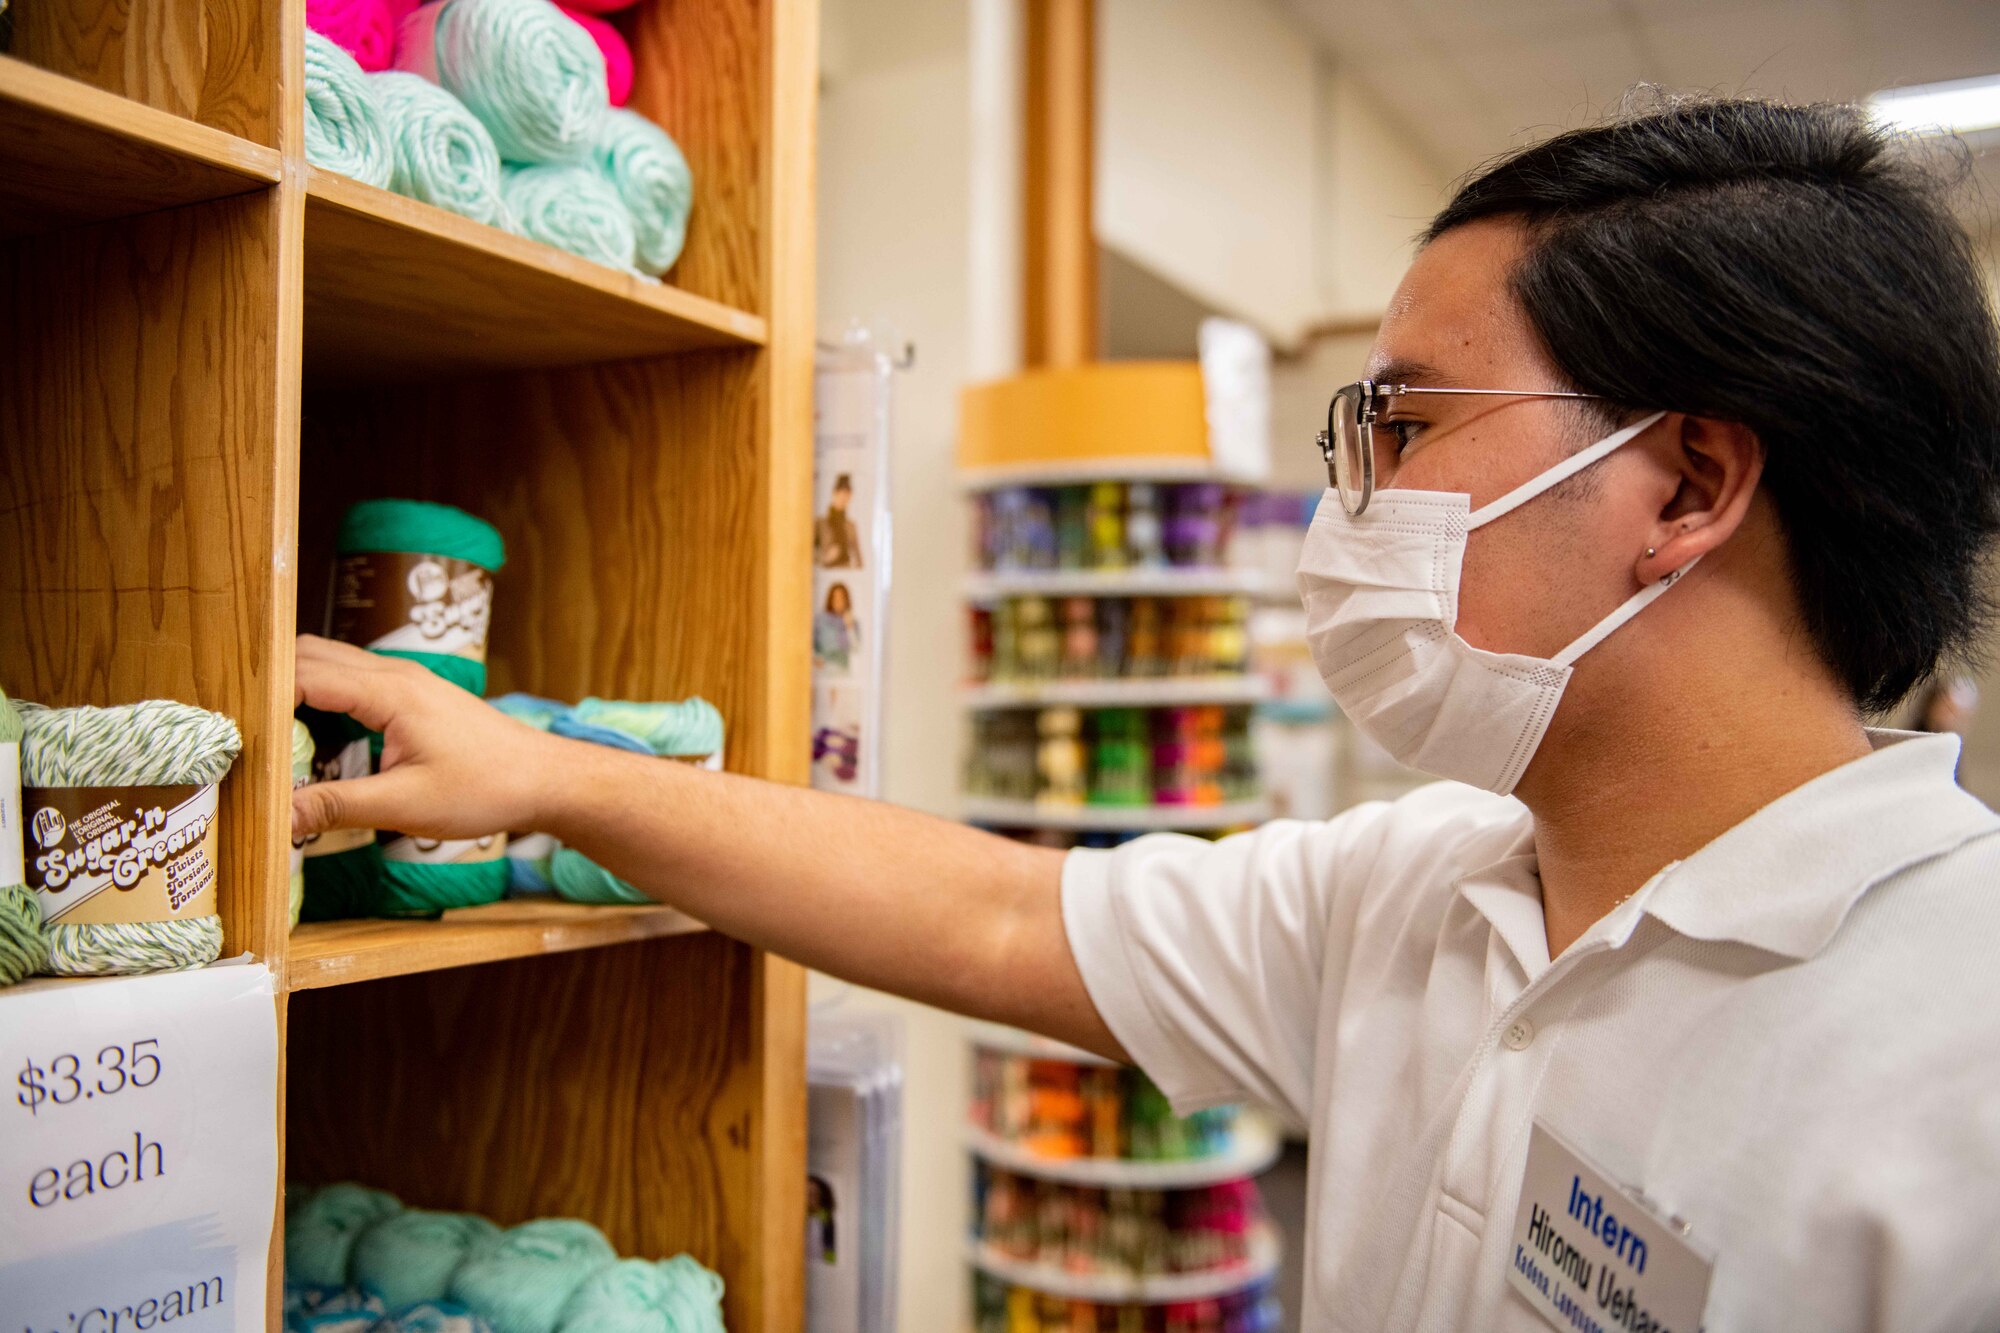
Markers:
point(1472, 78)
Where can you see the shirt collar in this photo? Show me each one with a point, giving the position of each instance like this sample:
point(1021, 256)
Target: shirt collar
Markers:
point(1785, 879)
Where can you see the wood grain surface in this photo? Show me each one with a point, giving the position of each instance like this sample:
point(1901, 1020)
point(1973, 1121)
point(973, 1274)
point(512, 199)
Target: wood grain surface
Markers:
point(71, 154)
point(138, 488)
point(399, 290)
point(214, 61)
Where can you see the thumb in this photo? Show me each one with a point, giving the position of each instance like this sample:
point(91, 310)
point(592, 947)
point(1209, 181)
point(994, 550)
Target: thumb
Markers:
point(369, 802)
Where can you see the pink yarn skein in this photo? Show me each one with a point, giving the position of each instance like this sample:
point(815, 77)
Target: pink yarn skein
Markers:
point(617, 55)
point(365, 29)
point(600, 6)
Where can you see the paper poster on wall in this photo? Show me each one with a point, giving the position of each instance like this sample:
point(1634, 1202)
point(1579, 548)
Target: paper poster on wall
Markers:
point(139, 1151)
point(850, 553)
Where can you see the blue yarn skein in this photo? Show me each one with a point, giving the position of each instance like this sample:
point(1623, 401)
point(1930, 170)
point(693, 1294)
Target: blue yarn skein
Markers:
point(521, 1284)
point(572, 208)
point(647, 168)
point(634, 1296)
point(535, 78)
point(412, 1256)
point(320, 1233)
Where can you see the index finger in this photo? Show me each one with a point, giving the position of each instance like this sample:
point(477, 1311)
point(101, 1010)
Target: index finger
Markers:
point(340, 678)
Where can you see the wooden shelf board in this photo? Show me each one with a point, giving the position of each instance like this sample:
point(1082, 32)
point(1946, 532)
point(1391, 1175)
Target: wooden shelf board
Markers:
point(72, 154)
point(397, 289)
point(337, 953)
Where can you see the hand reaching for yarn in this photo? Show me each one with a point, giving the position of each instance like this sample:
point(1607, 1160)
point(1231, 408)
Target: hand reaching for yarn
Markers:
point(452, 766)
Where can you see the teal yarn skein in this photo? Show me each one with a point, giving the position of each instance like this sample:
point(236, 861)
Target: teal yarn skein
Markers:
point(340, 884)
point(536, 79)
point(413, 878)
point(522, 1283)
point(573, 208)
point(155, 743)
point(650, 173)
point(634, 1296)
point(692, 727)
point(439, 151)
point(345, 131)
point(22, 952)
point(413, 1255)
point(581, 880)
point(321, 1231)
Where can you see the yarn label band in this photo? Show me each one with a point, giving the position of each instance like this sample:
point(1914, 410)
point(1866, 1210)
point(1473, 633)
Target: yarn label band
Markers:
point(106, 855)
point(412, 603)
point(446, 851)
point(10, 812)
point(331, 765)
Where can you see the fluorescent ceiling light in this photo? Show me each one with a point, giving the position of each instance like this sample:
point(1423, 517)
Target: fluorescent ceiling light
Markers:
point(1962, 106)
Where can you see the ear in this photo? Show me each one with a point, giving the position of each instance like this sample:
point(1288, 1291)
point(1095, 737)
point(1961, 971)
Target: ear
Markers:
point(1717, 465)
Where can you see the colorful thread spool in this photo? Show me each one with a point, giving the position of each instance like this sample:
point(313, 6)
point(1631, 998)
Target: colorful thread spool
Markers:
point(137, 781)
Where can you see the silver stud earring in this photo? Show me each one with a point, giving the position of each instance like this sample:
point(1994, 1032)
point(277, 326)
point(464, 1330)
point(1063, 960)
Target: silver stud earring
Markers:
point(1650, 553)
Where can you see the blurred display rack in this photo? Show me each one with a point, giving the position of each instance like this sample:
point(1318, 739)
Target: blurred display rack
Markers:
point(1255, 1144)
point(994, 811)
point(1167, 581)
point(1266, 1251)
point(1109, 692)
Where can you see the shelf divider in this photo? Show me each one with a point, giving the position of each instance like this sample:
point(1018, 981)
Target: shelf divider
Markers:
point(399, 290)
point(72, 154)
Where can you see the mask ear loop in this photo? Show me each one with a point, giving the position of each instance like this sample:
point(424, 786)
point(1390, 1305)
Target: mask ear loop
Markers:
point(1561, 472)
point(1633, 605)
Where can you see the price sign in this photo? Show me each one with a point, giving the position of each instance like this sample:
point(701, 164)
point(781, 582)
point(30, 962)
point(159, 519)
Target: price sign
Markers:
point(138, 1151)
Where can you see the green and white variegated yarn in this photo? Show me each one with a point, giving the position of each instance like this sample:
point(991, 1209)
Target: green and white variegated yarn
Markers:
point(21, 949)
point(154, 743)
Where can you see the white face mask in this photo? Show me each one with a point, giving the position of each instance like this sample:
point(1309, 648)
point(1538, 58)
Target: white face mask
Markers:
point(1381, 598)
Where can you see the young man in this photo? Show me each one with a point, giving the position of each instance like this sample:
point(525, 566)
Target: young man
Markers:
point(1687, 1016)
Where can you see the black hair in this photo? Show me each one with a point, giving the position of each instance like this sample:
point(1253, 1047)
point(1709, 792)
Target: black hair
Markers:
point(1795, 269)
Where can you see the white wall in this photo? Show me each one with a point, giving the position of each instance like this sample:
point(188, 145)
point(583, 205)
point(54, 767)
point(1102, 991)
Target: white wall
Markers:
point(1378, 186)
point(1205, 152)
point(893, 245)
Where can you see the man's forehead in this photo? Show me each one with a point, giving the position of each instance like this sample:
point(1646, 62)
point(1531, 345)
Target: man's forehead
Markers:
point(1454, 320)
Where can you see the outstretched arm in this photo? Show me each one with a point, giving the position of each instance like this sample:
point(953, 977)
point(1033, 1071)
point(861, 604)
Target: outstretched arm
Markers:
point(871, 893)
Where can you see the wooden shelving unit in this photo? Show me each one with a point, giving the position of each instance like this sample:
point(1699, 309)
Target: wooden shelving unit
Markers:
point(212, 348)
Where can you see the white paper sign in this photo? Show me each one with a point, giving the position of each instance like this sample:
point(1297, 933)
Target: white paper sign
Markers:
point(1587, 1255)
point(138, 1151)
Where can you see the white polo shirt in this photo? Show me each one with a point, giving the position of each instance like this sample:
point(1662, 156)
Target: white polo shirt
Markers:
point(1791, 1040)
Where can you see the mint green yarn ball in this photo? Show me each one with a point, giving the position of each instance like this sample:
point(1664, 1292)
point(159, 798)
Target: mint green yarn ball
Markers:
point(344, 126)
point(320, 1233)
point(412, 1256)
point(690, 727)
point(573, 208)
point(581, 880)
point(533, 76)
point(647, 168)
point(634, 1296)
point(522, 1283)
point(442, 155)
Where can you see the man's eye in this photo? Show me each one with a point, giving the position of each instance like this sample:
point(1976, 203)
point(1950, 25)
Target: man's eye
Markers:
point(1402, 432)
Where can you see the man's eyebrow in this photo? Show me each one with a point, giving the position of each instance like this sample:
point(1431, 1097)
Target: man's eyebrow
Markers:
point(1403, 370)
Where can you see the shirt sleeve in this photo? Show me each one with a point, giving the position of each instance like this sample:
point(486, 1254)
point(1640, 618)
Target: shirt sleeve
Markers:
point(1205, 959)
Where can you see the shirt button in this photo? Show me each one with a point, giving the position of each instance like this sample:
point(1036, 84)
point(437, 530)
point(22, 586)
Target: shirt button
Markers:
point(1519, 1034)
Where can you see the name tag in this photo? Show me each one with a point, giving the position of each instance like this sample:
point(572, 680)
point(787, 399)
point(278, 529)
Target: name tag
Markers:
point(1591, 1257)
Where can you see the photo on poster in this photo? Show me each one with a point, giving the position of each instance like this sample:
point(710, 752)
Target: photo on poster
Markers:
point(840, 522)
point(838, 648)
point(837, 736)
